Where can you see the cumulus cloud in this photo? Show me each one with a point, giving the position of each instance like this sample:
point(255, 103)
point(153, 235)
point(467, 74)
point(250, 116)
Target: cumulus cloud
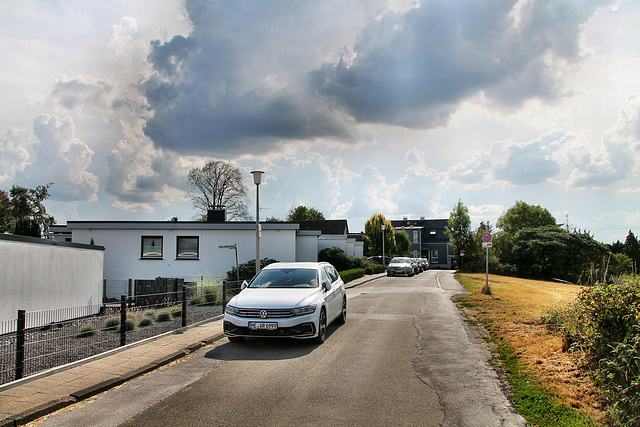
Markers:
point(85, 94)
point(139, 175)
point(62, 158)
point(14, 155)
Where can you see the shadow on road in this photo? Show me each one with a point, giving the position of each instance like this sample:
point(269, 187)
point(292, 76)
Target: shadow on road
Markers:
point(265, 348)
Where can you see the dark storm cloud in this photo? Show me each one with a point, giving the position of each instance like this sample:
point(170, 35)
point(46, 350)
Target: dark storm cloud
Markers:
point(253, 74)
point(413, 69)
point(235, 81)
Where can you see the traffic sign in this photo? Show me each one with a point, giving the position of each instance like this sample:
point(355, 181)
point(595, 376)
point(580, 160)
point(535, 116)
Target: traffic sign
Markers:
point(486, 237)
point(461, 253)
point(487, 244)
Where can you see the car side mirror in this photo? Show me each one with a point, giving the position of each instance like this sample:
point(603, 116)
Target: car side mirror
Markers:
point(244, 285)
point(327, 285)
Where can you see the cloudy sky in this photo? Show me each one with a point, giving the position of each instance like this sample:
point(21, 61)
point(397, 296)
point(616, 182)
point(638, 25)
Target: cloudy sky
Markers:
point(352, 107)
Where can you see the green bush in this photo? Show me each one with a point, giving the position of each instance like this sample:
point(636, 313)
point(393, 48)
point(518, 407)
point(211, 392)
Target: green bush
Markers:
point(375, 269)
point(163, 316)
point(176, 311)
point(112, 322)
point(129, 325)
point(349, 275)
point(213, 294)
point(87, 331)
point(340, 259)
point(197, 300)
point(145, 321)
point(604, 321)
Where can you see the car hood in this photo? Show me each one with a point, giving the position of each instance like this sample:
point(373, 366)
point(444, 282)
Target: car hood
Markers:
point(274, 297)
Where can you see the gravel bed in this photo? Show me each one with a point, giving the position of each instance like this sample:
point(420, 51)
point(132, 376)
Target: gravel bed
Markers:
point(70, 341)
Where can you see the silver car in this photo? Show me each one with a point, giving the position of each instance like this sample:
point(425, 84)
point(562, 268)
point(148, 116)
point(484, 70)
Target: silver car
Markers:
point(400, 266)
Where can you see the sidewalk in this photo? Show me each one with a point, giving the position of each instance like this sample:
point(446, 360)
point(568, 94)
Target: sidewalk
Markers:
point(31, 398)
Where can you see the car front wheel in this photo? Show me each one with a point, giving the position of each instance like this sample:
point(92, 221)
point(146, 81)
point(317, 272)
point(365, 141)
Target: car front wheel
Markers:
point(322, 327)
point(342, 319)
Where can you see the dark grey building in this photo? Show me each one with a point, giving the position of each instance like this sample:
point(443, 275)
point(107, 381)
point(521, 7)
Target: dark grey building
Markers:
point(428, 240)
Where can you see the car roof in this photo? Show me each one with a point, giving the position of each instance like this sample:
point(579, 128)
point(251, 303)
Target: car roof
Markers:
point(305, 265)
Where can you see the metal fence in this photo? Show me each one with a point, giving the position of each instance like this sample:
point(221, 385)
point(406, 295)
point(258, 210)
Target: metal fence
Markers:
point(41, 340)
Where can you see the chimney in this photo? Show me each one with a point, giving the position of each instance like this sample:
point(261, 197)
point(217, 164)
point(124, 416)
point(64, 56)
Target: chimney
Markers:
point(216, 215)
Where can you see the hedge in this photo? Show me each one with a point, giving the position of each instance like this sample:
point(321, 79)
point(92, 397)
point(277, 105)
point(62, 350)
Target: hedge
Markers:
point(356, 273)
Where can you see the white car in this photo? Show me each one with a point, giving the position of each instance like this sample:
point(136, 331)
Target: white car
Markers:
point(288, 300)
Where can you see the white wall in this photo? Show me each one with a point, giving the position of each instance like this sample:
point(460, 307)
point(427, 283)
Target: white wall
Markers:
point(37, 274)
point(307, 246)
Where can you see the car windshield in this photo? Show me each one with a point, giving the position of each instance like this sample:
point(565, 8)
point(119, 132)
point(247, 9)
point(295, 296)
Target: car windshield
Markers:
point(400, 261)
point(286, 278)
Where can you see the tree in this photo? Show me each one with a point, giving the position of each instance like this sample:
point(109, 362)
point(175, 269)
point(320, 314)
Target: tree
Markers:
point(247, 270)
point(23, 212)
point(523, 215)
point(221, 187)
point(632, 248)
point(402, 242)
point(459, 230)
point(373, 230)
point(303, 213)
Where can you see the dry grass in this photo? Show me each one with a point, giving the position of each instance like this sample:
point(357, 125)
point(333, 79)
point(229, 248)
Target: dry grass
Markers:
point(515, 308)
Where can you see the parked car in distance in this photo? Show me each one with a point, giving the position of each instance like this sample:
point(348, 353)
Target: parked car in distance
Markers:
point(417, 266)
point(287, 300)
point(378, 259)
point(400, 266)
point(425, 263)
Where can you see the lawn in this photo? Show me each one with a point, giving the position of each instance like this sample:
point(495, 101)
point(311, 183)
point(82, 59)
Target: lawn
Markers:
point(512, 315)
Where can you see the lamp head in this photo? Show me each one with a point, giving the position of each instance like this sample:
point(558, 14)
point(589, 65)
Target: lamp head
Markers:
point(257, 177)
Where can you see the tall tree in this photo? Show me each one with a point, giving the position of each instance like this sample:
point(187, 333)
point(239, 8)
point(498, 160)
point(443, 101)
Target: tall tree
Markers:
point(632, 248)
point(373, 230)
point(459, 229)
point(402, 242)
point(221, 187)
point(23, 211)
point(303, 213)
point(523, 215)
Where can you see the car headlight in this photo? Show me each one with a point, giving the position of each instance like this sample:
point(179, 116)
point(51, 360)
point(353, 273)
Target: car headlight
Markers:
point(229, 309)
point(301, 311)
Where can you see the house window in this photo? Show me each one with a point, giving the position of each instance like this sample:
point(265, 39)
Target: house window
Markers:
point(434, 257)
point(187, 247)
point(151, 247)
point(415, 237)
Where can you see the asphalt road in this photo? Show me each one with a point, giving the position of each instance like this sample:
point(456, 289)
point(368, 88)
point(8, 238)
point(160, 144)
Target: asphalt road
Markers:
point(404, 357)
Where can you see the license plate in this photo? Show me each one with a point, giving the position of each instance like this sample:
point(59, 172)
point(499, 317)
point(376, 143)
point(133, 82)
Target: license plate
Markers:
point(269, 326)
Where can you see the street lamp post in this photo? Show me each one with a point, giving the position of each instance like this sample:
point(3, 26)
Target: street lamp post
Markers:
point(235, 247)
point(383, 261)
point(257, 178)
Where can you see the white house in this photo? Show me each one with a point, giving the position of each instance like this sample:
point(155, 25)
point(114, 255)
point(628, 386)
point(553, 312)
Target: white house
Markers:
point(188, 249)
point(335, 233)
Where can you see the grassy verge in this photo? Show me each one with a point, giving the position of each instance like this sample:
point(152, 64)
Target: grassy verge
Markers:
point(547, 388)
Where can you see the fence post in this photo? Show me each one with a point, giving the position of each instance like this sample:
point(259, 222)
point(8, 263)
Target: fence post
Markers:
point(130, 293)
point(20, 344)
point(123, 320)
point(184, 305)
point(224, 295)
point(104, 291)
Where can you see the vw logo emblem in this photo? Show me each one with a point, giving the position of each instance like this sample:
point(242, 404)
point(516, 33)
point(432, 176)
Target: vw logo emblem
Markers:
point(263, 314)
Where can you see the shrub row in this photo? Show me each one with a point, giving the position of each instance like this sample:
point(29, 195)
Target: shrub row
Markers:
point(355, 273)
point(604, 322)
point(143, 319)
